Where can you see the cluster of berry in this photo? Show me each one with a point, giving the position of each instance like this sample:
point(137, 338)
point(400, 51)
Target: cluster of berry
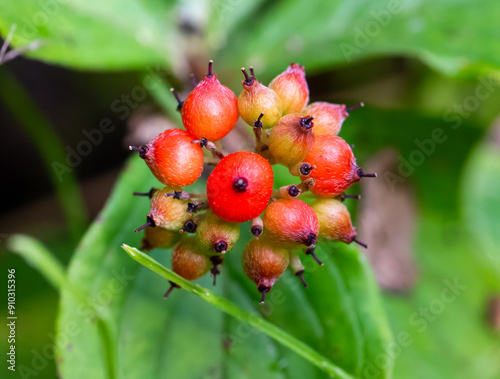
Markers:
point(289, 132)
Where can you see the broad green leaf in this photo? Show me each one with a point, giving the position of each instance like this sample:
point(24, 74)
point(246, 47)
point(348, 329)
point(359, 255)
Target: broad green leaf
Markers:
point(94, 34)
point(450, 36)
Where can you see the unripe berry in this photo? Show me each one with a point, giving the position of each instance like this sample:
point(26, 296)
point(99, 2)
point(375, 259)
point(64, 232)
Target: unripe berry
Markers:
point(210, 110)
point(291, 87)
point(336, 167)
point(159, 238)
point(187, 260)
point(216, 234)
point(172, 158)
point(255, 99)
point(292, 139)
point(328, 118)
point(264, 264)
point(166, 212)
point(291, 222)
point(240, 186)
point(334, 221)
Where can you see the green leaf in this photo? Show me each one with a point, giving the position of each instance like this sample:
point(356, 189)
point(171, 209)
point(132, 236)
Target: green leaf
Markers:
point(39, 257)
point(94, 34)
point(450, 38)
point(231, 309)
point(480, 200)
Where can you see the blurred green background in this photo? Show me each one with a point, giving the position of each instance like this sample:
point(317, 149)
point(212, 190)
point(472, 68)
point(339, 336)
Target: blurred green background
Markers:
point(429, 75)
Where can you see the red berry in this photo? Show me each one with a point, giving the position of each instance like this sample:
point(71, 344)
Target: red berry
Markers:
point(334, 221)
point(291, 222)
point(291, 87)
point(255, 99)
point(336, 167)
point(264, 264)
point(211, 109)
point(291, 139)
point(240, 186)
point(172, 158)
point(328, 118)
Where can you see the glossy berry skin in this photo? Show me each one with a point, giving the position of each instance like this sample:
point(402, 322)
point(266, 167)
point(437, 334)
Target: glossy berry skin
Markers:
point(255, 99)
point(334, 220)
point(291, 87)
point(290, 223)
point(291, 139)
point(167, 212)
point(328, 118)
point(173, 159)
point(159, 238)
point(240, 186)
point(216, 234)
point(336, 167)
point(210, 110)
point(187, 261)
point(264, 263)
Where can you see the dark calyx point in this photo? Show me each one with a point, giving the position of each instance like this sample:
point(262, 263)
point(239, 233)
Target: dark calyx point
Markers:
point(306, 169)
point(344, 196)
point(256, 230)
point(220, 246)
point(361, 174)
point(150, 222)
point(142, 150)
point(311, 252)
point(258, 122)
point(216, 261)
point(293, 191)
point(249, 80)
point(311, 239)
point(306, 122)
point(300, 274)
point(360, 105)
point(172, 286)
point(192, 208)
point(264, 289)
point(175, 195)
point(189, 226)
point(354, 239)
point(202, 141)
point(148, 194)
point(240, 184)
point(179, 101)
point(210, 73)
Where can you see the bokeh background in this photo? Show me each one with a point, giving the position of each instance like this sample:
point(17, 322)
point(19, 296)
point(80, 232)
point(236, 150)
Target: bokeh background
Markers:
point(428, 73)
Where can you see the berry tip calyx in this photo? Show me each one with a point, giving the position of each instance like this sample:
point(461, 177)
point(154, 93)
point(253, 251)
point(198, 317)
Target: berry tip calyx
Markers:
point(310, 251)
point(354, 239)
point(300, 274)
point(210, 74)
point(249, 80)
point(263, 289)
point(142, 150)
point(150, 222)
point(361, 174)
point(179, 101)
point(360, 105)
point(240, 184)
